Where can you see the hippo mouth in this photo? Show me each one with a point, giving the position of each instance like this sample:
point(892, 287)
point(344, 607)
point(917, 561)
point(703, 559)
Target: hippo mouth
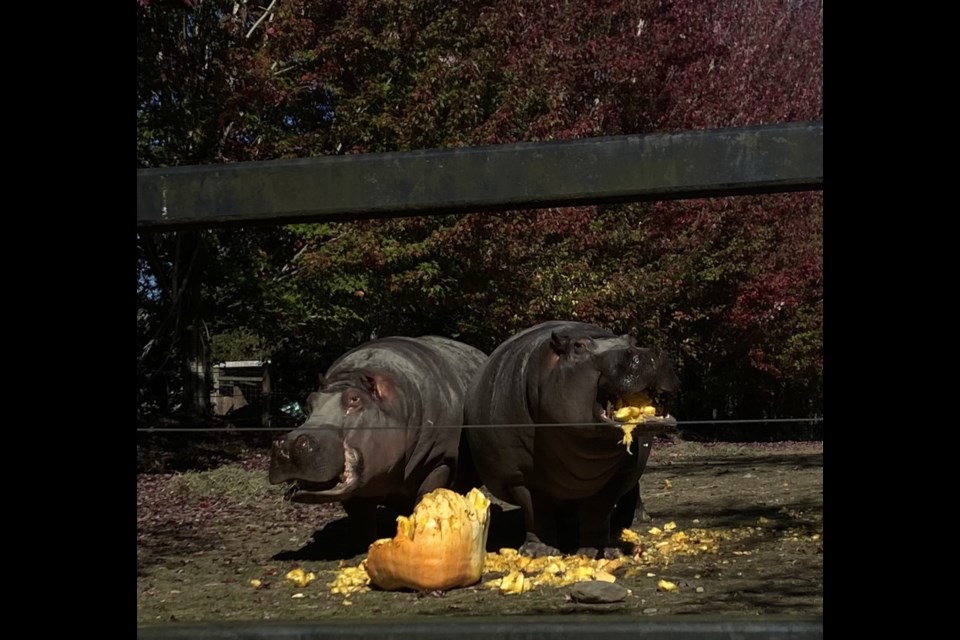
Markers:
point(605, 406)
point(343, 487)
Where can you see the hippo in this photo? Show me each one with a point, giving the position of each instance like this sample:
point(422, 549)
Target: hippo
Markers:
point(565, 373)
point(382, 429)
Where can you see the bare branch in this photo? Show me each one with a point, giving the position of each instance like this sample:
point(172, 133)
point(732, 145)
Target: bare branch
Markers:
point(257, 23)
point(299, 253)
point(288, 270)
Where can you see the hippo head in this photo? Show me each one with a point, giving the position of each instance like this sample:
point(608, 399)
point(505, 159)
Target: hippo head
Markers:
point(592, 371)
point(352, 434)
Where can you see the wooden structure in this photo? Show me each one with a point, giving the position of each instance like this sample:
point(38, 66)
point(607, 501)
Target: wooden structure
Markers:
point(241, 389)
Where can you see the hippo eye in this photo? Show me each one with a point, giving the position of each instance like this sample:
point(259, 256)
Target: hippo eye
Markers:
point(352, 402)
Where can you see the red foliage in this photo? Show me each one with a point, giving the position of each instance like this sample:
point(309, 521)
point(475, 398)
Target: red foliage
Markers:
point(733, 286)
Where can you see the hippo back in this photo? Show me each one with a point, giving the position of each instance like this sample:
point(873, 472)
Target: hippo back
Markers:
point(432, 372)
point(501, 390)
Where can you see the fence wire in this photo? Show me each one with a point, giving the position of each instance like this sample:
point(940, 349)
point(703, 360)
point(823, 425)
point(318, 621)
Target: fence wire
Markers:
point(810, 421)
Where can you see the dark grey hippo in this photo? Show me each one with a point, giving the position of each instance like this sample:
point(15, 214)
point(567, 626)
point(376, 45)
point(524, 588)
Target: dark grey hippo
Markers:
point(564, 373)
point(374, 433)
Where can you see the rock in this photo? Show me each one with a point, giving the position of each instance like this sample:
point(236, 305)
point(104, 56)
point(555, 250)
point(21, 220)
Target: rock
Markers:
point(597, 592)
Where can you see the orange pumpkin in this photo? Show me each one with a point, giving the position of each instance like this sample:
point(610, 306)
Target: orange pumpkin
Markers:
point(440, 546)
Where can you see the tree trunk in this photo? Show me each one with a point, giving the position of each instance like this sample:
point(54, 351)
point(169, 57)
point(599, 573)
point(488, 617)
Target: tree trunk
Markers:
point(196, 352)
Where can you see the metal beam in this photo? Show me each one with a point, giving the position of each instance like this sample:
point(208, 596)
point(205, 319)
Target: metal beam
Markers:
point(547, 627)
point(689, 164)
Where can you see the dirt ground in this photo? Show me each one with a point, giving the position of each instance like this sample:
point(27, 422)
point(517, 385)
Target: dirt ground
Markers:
point(202, 536)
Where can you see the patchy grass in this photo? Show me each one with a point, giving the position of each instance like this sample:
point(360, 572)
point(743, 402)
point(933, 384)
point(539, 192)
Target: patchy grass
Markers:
point(232, 481)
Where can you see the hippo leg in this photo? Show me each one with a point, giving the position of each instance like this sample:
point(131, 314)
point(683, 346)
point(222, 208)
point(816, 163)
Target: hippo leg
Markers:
point(438, 478)
point(630, 506)
point(540, 521)
point(624, 511)
point(596, 522)
point(595, 529)
point(629, 509)
point(643, 455)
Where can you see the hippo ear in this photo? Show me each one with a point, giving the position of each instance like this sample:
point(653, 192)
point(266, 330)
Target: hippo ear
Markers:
point(376, 385)
point(323, 382)
point(559, 343)
point(309, 402)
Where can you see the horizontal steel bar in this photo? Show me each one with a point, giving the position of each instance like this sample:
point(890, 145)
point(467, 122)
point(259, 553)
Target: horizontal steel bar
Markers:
point(567, 627)
point(688, 164)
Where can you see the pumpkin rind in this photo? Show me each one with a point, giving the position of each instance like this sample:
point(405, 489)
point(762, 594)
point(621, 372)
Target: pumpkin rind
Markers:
point(440, 546)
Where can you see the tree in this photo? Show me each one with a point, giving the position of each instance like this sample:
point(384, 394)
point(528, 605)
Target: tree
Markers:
point(732, 286)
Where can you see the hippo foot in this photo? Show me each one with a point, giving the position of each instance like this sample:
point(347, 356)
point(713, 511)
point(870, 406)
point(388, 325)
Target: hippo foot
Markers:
point(643, 516)
point(607, 553)
point(538, 550)
point(612, 553)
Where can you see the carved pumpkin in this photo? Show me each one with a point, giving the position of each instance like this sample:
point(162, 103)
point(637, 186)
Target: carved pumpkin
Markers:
point(440, 546)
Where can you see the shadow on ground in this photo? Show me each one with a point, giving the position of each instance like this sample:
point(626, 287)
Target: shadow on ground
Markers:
point(334, 541)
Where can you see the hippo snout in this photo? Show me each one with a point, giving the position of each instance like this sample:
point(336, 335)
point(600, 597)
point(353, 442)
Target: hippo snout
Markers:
point(313, 456)
point(667, 387)
point(667, 380)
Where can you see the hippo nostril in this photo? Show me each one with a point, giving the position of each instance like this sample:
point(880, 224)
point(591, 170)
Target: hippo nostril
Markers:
point(280, 447)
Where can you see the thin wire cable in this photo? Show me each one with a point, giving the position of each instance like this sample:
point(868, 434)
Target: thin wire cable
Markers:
point(469, 426)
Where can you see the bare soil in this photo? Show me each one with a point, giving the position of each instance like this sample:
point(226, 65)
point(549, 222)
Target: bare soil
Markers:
point(203, 536)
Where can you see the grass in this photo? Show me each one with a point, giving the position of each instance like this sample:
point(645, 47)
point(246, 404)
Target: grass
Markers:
point(230, 480)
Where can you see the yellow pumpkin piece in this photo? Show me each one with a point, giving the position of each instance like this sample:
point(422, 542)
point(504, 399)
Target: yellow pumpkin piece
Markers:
point(300, 578)
point(666, 585)
point(627, 435)
point(670, 526)
point(628, 535)
point(581, 574)
point(630, 412)
point(514, 583)
point(438, 547)
point(546, 579)
point(641, 399)
point(256, 583)
point(295, 575)
point(610, 565)
point(605, 577)
point(350, 580)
